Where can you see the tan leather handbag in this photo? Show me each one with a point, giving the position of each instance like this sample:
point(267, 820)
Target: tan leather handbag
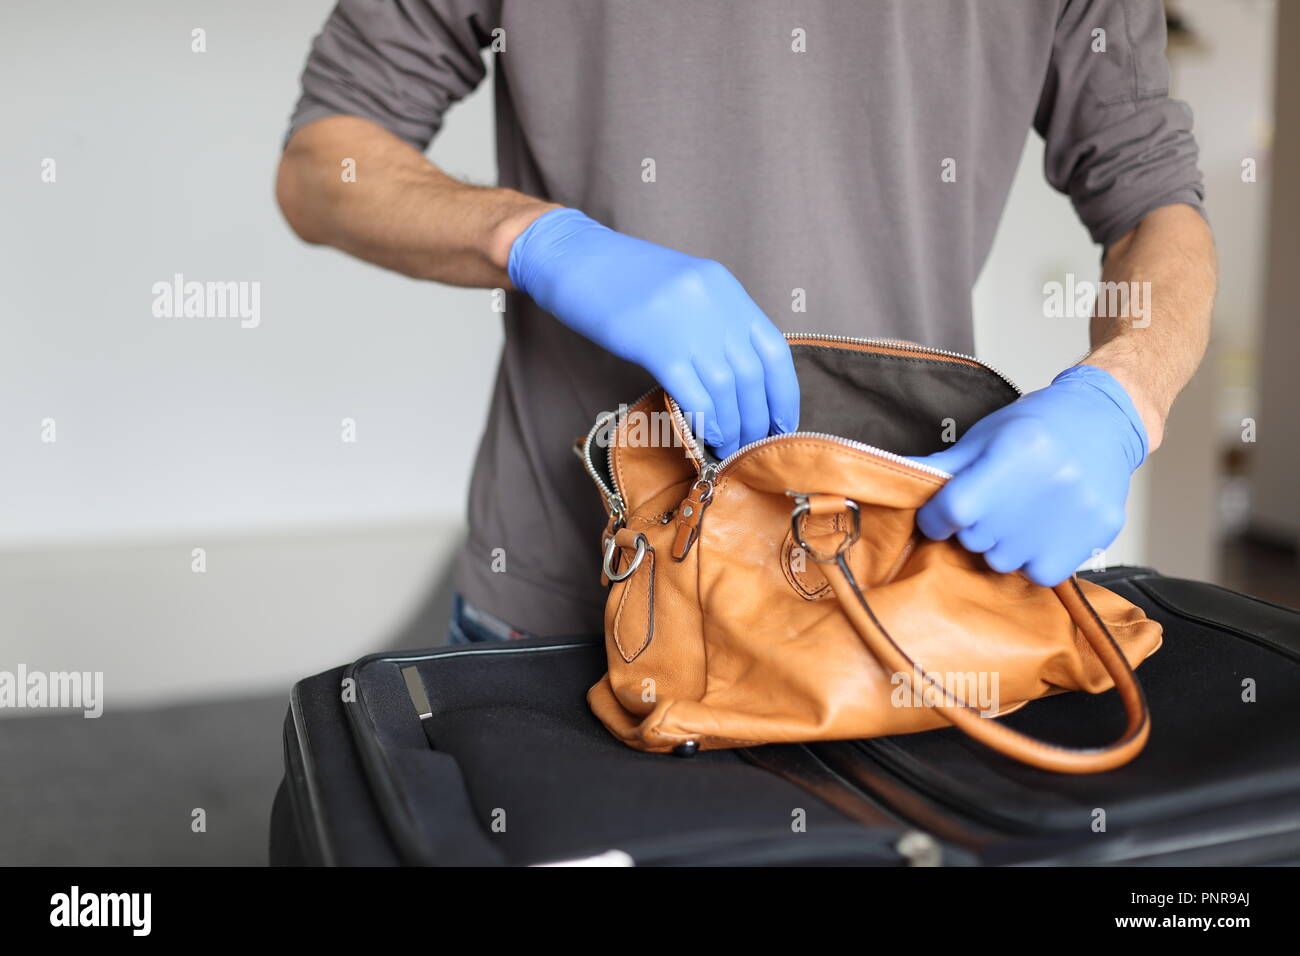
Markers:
point(785, 594)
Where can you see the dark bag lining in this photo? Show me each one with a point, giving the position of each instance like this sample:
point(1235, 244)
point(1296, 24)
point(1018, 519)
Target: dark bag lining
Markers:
point(896, 403)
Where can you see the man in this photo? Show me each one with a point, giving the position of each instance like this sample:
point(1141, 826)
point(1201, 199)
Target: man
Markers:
point(861, 152)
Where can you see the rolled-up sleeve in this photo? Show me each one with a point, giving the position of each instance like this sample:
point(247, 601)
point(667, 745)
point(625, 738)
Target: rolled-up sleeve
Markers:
point(1116, 143)
point(398, 63)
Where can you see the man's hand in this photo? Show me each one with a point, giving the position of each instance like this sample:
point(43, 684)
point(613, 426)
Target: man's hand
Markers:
point(687, 321)
point(1040, 484)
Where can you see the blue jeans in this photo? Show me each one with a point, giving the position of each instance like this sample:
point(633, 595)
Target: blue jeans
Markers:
point(470, 624)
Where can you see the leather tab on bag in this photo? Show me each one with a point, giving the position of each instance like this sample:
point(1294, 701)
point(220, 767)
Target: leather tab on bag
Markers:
point(825, 504)
point(634, 621)
point(689, 514)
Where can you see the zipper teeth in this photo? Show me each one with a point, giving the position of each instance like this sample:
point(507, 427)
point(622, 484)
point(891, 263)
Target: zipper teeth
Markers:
point(609, 489)
point(847, 442)
point(591, 465)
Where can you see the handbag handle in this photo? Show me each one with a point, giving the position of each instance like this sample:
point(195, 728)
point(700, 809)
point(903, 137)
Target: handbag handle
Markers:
point(999, 737)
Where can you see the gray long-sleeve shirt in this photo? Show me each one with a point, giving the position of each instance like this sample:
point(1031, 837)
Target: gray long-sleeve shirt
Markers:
point(859, 151)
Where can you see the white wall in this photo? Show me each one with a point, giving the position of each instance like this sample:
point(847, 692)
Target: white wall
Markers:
point(165, 163)
point(267, 611)
point(181, 433)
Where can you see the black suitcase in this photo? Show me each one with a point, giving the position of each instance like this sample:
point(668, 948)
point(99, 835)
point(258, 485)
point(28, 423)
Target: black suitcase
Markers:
point(488, 755)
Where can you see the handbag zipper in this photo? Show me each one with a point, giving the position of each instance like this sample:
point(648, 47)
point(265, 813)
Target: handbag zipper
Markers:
point(846, 442)
point(709, 469)
point(609, 488)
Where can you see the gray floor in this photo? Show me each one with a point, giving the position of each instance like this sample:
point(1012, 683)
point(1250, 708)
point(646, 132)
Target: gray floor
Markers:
point(121, 789)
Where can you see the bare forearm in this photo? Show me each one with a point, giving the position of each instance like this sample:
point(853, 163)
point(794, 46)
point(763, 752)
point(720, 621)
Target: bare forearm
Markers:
point(393, 207)
point(1169, 260)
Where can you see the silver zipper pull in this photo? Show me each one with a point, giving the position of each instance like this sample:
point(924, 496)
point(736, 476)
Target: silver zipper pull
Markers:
point(617, 510)
point(691, 511)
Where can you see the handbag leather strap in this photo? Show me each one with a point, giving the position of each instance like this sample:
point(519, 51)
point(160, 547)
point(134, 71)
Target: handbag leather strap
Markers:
point(999, 737)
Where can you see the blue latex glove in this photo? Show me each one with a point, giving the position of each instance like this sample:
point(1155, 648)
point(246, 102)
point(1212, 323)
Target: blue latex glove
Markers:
point(1040, 484)
point(686, 321)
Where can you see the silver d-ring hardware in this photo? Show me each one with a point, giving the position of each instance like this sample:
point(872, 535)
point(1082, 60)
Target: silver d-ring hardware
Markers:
point(611, 549)
point(802, 507)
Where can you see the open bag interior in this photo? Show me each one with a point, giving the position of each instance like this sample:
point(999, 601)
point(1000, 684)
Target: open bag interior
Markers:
point(906, 404)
